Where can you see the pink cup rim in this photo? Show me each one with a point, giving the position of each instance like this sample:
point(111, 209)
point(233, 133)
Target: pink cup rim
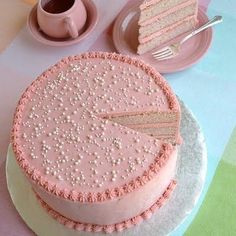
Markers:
point(55, 14)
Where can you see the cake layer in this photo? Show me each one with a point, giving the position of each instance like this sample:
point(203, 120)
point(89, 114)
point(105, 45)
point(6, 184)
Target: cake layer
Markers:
point(140, 118)
point(83, 165)
point(166, 21)
point(168, 139)
point(166, 34)
point(156, 131)
point(148, 3)
point(166, 134)
point(158, 8)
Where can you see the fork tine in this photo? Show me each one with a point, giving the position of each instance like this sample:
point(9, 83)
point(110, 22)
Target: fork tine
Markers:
point(165, 58)
point(163, 54)
point(169, 53)
point(161, 51)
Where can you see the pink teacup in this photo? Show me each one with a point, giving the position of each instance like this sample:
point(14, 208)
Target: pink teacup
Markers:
point(61, 18)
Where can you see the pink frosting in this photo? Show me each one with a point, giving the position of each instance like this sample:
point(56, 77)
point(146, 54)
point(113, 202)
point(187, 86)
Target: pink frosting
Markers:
point(81, 197)
point(61, 189)
point(73, 195)
point(115, 227)
point(148, 3)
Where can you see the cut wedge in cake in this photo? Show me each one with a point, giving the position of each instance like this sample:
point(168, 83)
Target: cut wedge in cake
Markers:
point(161, 125)
point(96, 137)
point(163, 20)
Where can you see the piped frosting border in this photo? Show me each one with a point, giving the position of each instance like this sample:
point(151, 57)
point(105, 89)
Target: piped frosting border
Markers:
point(108, 194)
point(115, 227)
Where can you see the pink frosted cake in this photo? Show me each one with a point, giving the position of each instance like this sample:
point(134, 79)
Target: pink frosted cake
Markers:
point(163, 20)
point(97, 136)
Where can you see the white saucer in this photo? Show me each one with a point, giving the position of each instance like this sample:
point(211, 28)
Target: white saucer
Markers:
point(190, 176)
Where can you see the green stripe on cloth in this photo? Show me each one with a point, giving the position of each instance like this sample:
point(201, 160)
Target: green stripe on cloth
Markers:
point(217, 215)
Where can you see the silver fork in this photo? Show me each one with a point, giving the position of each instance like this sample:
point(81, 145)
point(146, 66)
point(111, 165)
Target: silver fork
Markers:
point(174, 49)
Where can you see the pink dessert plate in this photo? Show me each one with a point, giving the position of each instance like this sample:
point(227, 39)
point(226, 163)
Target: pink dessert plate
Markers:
point(43, 38)
point(125, 38)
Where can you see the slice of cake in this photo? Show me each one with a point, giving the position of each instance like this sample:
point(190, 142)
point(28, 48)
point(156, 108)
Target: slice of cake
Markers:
point(163, 20)
point(92, 136)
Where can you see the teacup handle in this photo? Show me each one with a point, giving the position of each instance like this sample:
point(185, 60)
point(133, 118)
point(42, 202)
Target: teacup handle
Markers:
point(71, 27)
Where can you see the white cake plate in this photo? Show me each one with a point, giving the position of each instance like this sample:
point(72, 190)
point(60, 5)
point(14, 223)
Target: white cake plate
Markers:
point(190, 176)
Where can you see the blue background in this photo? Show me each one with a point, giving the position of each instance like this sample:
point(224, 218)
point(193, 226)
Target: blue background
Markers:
point(209, 90)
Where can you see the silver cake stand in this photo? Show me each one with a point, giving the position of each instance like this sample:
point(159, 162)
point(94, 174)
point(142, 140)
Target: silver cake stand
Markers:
point(190, 176)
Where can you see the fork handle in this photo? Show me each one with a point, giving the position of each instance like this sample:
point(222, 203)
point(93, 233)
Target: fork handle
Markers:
point(213, 21)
